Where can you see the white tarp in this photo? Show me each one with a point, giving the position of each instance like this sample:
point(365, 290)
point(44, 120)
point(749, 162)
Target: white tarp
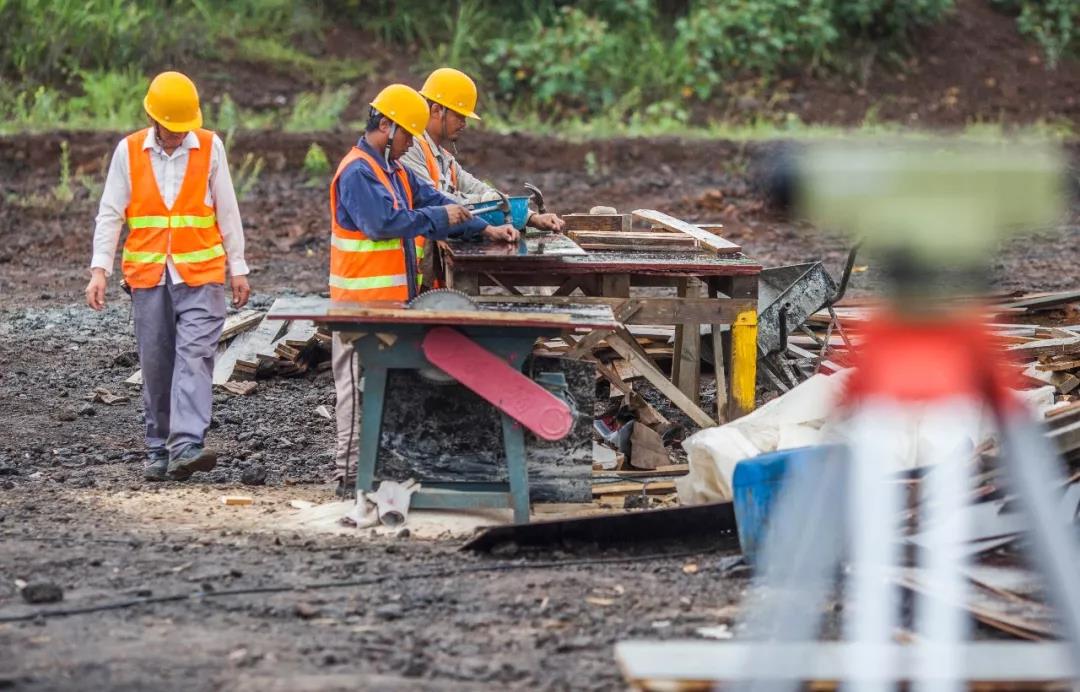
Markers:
point(799, 418)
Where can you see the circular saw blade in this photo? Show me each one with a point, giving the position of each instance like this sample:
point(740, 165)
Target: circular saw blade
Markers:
point(441, 299)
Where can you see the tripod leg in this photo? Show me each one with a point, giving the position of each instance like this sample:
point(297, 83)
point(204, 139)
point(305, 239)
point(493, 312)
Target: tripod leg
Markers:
point(948, 432)
point(877, 431)
point(797, 568)
point(1033, 470)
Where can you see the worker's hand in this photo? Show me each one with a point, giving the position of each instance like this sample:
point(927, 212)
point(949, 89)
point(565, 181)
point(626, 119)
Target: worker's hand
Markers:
point(456, 214)
point(547, 222)
point(502, 234)
point(95, 290)
point(240, 291)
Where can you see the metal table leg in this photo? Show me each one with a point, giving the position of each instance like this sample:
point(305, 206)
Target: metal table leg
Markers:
point(371, 418)
point(517, 472)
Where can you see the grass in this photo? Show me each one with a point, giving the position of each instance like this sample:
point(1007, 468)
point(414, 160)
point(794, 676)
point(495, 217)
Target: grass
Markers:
point(319, 112)
point(326, 71)
point(762, 129)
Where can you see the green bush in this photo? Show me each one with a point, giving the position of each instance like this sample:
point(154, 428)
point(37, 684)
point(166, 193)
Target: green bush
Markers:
point(578, 64)
point(886, 19)
point(316, 163)
point(1054, 24)
point(717, 41)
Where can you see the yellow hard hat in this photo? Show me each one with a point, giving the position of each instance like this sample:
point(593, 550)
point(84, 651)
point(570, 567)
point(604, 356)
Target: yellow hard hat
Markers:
point(453, 89)
point(403, 105)
point(173, 102)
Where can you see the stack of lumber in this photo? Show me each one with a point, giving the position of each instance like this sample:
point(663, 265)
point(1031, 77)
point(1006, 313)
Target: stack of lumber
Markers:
point(665, 233)
point(1039, 332)
point(274, 348)
point(253, 347)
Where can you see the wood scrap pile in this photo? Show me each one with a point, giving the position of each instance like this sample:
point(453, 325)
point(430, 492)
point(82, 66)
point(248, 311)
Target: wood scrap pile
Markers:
point(252, 347)
point(1040, 333)
point(1004, 592)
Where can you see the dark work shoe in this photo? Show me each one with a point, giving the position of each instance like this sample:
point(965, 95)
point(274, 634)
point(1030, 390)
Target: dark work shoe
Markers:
point(193, 458)
point(157, 465)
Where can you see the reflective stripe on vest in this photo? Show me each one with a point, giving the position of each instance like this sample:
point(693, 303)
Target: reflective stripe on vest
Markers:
point(368, 282)
point(174, 221)
point(199, 255)
point(144, 257)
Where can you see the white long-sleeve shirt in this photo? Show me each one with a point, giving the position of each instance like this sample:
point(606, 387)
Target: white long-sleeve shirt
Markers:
point(169, 170)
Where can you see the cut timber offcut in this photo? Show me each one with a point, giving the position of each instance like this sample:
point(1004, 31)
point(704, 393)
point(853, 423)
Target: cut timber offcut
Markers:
point(708, 240)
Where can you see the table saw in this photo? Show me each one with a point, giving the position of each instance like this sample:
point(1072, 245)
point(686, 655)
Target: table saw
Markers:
point(478, 342)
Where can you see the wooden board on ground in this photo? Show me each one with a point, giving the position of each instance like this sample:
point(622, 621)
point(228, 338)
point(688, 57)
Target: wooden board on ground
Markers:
point(633, 488)
point(244, 349)
point(668, 470)
point(1045, 347)
point(708, 240)
point(696, 664)
point(240, 322)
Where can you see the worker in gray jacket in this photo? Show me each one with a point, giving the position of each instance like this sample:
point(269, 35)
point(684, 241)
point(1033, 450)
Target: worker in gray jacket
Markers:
point(451, 96)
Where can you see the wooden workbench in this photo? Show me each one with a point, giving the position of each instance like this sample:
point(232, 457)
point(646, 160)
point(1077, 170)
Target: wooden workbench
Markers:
point(710, 288)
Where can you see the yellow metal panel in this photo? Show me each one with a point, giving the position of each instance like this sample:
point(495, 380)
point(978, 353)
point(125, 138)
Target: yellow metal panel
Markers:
point(743, 363)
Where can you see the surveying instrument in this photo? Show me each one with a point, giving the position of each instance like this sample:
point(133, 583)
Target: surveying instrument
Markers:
point(930, 214)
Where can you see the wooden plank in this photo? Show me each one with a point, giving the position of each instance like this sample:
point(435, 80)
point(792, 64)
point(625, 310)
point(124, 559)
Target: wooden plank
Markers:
point(696, 664)
point(646, 240)
point(633, 488)
point(686, 369)
point(667, 470)
point(1058, 366)
point(655, 377)
point(652, 311)
point(499, 311)
point(1044, 301)
point(1065, 382)
point(240, 322)
point(1045, 347)
point(598, 222)
point(708, 240)
point(615, 285)
point(244, 348)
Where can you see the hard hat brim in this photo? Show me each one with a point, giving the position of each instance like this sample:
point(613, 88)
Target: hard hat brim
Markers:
point(469, 114)
point(186, 126)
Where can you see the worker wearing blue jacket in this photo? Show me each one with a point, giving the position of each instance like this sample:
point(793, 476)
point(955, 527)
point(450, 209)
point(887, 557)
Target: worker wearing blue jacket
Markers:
point(381, 218)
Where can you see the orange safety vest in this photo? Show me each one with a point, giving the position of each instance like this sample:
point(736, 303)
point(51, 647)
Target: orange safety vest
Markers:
point(433, 165)
point(362, 269)
point(188, 232)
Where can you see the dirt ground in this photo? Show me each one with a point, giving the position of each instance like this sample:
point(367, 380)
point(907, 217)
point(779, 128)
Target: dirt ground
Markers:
point(74, 510)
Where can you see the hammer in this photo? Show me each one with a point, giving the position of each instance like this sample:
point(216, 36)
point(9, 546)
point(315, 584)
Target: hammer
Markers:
point(537, 196)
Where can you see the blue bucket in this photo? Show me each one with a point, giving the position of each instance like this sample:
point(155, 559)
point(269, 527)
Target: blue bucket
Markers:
point(758, 482)
point(519, 212)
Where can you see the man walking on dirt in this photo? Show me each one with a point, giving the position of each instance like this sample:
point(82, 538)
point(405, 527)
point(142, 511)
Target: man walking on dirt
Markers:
point(451, 96)
point(381, 218)
point(170, 183)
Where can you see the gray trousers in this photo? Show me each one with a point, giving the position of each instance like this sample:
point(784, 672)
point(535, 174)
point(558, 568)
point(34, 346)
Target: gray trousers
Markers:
point(177, 328)
point(347, 374)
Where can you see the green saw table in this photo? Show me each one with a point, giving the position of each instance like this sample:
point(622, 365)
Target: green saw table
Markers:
point(483, 349)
